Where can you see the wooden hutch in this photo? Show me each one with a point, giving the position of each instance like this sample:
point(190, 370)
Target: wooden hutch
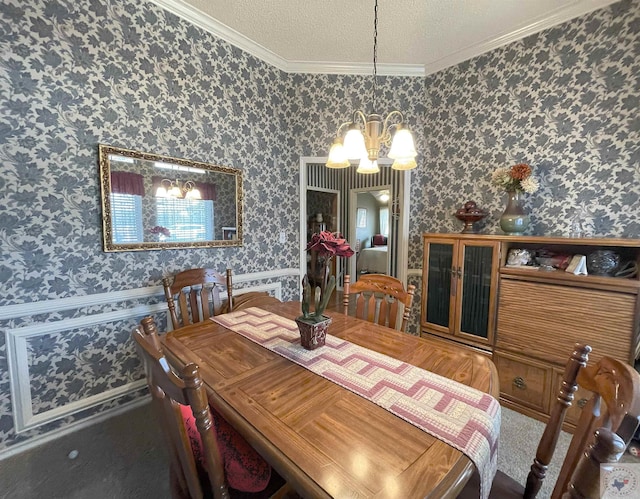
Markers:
point(528, 319)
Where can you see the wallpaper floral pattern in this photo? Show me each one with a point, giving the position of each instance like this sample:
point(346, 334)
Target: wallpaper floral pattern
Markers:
point(75, 74)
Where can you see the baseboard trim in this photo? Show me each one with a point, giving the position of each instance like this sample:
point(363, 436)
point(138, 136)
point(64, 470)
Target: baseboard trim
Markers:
point(21, 447)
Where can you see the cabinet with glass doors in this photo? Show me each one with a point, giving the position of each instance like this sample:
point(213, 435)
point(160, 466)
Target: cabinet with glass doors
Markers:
point(459, 284)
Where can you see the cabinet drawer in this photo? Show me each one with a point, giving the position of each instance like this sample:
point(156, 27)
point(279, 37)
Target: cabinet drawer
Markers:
point(580, 398)
point(524, 381)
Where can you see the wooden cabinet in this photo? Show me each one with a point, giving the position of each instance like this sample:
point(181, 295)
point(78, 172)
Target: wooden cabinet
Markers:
point(528, 318)
point(545, 320)
point(459, 288)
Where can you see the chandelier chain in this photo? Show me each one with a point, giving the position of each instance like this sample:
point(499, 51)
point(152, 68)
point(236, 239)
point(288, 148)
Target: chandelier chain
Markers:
point(375, 54)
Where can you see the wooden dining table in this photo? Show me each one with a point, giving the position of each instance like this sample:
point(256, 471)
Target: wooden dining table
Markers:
point(325, 440)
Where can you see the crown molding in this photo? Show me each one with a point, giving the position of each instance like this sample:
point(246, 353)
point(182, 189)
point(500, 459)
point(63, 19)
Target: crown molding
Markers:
point(348, 68)
point(557, 17)
point(207, 23)
point(222, 31)
point(216, 28)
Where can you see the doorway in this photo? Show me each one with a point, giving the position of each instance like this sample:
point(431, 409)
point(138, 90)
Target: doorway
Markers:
point(371, 231)
point(315, 175)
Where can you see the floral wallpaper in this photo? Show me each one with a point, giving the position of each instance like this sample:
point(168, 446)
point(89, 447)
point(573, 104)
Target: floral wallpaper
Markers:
point(75, 74)
point(81, 363)
point(563, 101)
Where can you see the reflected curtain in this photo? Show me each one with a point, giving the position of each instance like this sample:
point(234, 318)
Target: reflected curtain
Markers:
point(207, 190)
point(127, 183)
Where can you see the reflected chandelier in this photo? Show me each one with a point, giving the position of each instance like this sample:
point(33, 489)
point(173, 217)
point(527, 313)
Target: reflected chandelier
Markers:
point(177, 189)
point(377, 131)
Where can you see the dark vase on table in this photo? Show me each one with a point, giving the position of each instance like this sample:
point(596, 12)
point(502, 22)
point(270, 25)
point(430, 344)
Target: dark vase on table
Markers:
point(313, 334)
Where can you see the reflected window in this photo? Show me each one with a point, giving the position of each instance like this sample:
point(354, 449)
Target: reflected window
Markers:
point(384, 221)
point(361, 218)
point(186, 220)
point(126, 213)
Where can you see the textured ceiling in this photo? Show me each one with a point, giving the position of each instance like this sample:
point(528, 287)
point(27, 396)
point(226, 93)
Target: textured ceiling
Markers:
point(414, 36)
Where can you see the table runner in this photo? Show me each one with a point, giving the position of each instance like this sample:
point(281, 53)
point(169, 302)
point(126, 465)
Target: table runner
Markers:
point(463, 417)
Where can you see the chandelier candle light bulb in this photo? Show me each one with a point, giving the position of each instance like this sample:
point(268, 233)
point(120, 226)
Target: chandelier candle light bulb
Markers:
point(337, 156)
point(178, 190)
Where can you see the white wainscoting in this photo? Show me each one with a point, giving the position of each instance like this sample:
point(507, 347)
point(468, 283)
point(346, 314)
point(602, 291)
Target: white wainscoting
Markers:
point(17, 338)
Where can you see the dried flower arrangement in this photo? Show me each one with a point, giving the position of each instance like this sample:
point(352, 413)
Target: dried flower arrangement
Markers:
point(158, 229)
point(515, 178)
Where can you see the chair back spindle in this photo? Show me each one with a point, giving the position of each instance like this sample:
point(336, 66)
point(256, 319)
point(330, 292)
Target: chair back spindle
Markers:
point(585, 481)
point(549, 439)
point(379, 298)
point(616, 393)
point(195, 295)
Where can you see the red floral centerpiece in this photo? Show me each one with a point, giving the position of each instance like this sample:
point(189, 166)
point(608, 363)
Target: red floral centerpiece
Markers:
point(312, 324)
point(160, 231)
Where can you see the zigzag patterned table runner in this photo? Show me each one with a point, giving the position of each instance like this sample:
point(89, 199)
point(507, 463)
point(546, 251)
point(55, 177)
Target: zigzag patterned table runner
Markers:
point(459, 415)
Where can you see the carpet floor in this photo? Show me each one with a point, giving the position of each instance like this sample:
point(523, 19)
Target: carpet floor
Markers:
point(125, 457)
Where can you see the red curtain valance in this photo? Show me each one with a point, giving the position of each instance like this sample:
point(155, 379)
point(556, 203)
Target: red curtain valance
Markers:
point(207, 191)
point(127, 183)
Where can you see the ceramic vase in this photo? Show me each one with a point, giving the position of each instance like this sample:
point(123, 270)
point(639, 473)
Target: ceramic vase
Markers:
point(313, 334)
point(514, 220)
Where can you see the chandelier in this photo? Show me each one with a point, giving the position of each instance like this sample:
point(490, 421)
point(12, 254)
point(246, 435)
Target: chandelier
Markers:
point(178, 190)
point(365, 134)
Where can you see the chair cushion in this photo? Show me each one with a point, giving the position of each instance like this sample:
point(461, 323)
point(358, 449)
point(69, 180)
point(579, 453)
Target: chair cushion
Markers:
point(244, 468)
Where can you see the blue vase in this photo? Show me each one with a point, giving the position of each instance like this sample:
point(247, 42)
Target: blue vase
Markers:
point(514, 221)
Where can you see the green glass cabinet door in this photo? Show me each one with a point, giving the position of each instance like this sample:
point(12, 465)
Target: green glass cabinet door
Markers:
point(438, 306)
point(477, 283)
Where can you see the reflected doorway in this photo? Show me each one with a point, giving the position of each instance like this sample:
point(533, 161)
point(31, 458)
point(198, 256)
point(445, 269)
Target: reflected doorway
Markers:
point(322, 214)
point(372, 232)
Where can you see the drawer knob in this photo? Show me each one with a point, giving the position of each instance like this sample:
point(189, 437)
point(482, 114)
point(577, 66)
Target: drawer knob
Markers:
point(581, 403)
point(519, 382)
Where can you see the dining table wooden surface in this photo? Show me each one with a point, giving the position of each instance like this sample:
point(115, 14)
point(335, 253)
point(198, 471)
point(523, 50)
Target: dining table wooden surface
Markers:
point(325, 440)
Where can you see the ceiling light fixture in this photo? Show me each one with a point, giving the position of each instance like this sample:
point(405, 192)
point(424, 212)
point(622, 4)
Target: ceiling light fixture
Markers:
point(377, 131)
point(186, 190)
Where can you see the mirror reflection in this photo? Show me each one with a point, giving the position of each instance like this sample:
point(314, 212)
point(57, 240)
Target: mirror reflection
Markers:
point(153, 202)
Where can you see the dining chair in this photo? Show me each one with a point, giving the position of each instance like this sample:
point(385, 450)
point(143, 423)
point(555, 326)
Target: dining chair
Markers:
point(198, 294)
point(379, 298)
point(208, 457)
point(607, 424)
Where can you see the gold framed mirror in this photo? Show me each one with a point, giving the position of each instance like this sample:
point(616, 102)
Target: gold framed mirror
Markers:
point(153, 202)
